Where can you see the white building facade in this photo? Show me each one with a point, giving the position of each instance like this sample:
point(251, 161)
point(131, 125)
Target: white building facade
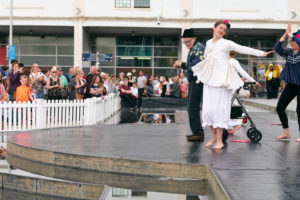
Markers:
point(139, 34)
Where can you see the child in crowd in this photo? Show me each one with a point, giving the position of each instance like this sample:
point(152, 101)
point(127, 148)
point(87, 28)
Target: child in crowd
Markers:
point(134, 90)
point(23, 92)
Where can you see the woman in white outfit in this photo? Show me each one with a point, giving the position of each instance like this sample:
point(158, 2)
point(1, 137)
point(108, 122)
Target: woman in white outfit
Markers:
point(220, 80)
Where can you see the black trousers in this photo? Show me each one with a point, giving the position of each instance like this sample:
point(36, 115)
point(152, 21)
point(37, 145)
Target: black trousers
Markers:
point(288, 94)
point(130, 99)
point(141, 92)
point(194, 101)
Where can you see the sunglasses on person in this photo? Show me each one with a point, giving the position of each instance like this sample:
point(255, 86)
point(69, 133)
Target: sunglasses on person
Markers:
point(54, 72)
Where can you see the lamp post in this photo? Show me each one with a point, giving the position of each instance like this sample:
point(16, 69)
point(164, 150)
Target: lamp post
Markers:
point(10, 27)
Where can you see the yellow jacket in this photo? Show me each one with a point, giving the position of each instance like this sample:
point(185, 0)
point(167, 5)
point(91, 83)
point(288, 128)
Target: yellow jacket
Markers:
point(275, 74)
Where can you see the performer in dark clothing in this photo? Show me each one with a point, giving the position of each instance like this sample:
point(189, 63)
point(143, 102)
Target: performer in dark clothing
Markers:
point(291, 76)
point(196, 51)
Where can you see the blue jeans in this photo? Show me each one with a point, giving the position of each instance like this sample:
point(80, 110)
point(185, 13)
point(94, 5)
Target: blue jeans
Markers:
point(194, 101)
point(40, 95)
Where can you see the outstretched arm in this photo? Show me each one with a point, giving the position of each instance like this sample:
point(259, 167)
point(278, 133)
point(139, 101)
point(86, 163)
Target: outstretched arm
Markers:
point(278, 47)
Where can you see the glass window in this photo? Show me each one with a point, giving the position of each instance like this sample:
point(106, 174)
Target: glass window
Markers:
point(134, 40)
point(37, 50)
point(165, 72)
point(142, 3)
point(65, 50)
point(166, 51)
point(109, 71)
point(165, 41)
point(123, 3)
point(41, 60)
point(134, 51)
point(65, 40)
point(134, 61)
point(38, 39)
point(164, 62)
point(65, 60)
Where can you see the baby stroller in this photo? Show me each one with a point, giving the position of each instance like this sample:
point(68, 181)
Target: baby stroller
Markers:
point(237, 113)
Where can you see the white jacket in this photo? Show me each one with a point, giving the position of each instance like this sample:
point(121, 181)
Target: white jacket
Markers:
point(215, 70)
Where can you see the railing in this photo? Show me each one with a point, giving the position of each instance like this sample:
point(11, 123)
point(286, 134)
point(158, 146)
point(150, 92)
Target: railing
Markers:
point(53, 114)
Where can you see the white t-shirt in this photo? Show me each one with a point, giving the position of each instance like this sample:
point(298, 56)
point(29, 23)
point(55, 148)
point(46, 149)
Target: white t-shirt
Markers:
point(134, 91)
point(140, 81)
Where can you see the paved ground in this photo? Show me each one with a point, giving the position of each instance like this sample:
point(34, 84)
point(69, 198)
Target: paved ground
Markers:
point(268, 170)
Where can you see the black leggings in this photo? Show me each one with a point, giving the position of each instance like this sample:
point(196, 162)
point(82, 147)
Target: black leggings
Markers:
point(288, 94)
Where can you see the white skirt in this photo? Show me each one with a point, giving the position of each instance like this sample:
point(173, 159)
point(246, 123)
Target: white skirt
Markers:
point(216, 107)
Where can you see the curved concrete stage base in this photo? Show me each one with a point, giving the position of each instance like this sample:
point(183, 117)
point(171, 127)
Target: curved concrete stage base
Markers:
point(118, 156)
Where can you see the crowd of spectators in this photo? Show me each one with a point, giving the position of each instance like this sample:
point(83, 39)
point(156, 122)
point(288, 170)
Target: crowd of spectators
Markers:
point(24, 84)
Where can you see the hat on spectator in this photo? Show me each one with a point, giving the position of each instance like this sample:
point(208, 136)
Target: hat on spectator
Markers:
point(297, 35)
point(102, 74)
point(121, 73)
point(59, 69)
point(129, 74)
point(188, 33)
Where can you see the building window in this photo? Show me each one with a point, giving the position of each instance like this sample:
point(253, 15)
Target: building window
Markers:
point(123, 3)
point(142, 3)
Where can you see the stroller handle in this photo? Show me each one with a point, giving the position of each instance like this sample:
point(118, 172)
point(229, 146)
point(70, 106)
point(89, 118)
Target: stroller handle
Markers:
point(249, 83)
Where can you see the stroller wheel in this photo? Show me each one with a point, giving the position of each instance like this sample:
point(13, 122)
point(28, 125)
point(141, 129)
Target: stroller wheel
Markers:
point(254, 135)
point(225, 135)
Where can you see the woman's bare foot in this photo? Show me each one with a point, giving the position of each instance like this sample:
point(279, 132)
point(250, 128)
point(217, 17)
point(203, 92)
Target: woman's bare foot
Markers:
point(298, 139)
point(211, 142)
point(284, 136)
point(219, 146)
point(231, 131)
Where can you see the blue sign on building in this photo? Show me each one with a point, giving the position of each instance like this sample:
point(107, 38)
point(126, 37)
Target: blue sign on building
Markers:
point(92, 57)
point(105, 57)
point(89, 57)
point(12, 52)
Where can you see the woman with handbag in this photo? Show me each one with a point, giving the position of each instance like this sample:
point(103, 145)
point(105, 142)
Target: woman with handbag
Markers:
point(220, 80)
point(77, 86)
point(54, 85)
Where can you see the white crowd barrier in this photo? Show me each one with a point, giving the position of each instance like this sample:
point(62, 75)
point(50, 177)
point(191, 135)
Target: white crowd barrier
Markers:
point(52, 114)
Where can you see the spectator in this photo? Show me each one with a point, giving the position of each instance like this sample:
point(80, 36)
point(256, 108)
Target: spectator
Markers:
point(121, 78)
point(37, 81)
point(183, 89)
point(2, 88)
point(23, 92)
point(184, 79)
point(134, 90)
point(156, 85)
point(165, 85)
point(89, 78)
point(126, 95)
point(13, 81)
point(175, 88)
point(142, 87)
point(112, 88)
point(71, 73)
point(78, 85)
point(54, 85)
point(150, 89)
point(64, 90)
point(21, 68)
point(96, 88)
point(46, 77)
point(129, 77)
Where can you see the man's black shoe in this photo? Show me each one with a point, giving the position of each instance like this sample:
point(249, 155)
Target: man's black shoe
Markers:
point(199, 137)
point(188, 136)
